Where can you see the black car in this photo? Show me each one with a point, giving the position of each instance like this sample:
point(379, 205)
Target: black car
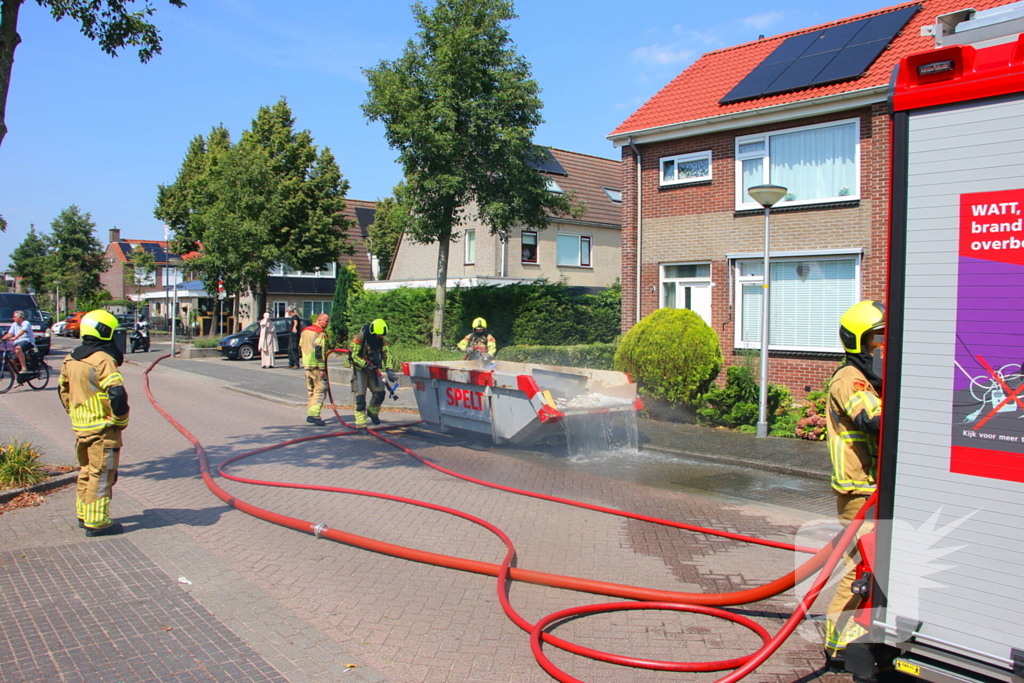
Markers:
point(9, 303)
point(242, 345)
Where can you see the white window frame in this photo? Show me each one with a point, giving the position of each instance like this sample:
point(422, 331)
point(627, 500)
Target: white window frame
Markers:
point(740, 280)
point(744, 203)
point(469, 253)
point(311, 305)
point(282, 270)
point(536, 247)
point(683, 158)
point(279, 305)
point(684, 281)
point(579, 250)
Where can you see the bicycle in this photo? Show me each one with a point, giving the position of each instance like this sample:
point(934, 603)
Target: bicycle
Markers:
point(37, 377)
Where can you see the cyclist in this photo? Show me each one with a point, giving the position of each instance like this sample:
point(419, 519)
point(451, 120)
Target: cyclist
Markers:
point(24, 341)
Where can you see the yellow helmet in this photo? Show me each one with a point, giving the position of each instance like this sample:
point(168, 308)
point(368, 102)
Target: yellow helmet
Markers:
point(860, 320)
point(99, 324)
point(378, 326)
point(479, 323)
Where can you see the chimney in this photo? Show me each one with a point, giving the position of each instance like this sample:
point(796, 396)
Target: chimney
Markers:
point(115, 235)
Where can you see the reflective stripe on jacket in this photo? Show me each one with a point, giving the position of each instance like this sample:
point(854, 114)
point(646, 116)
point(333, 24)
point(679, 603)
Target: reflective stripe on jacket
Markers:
point(312, 344)
point(854, 412)
point(374, 350)
point(484, 342)
point(83, 387)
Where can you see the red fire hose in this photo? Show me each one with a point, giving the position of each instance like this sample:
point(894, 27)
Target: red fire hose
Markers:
point(702, 603)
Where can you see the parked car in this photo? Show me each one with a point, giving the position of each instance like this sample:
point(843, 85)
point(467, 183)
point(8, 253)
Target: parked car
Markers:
point(58, 328)
point(47, 318)
point(242, 345)
point(9, 303)
point(71, 324)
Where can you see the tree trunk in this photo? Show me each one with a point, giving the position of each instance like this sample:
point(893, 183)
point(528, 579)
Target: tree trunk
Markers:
point(9, 40)
point(444, 243)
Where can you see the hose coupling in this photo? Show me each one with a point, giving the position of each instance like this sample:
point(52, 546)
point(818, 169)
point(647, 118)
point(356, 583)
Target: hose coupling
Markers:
point(319, 530)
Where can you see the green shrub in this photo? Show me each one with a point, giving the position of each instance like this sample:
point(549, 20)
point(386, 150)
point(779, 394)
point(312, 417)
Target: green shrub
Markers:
point(811, 422)
point(595, 356)
point(206, 342)
point(736, 404)
point(418, 353)
point(19, 465)
point(672, 354)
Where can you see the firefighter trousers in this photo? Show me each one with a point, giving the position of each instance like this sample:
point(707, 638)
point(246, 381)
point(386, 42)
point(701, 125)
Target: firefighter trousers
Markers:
point(840, 628)
point(316, 391)
point(363, 380)
point(98, 458)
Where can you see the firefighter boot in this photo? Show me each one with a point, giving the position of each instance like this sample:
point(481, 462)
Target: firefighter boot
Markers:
point(315, 420)
point(360, 419)
point(373, 412)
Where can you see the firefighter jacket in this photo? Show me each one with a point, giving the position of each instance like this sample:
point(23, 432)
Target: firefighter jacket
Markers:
point(92, 392)
point(854, 417)
point(369, 348)
point(484, 342)
point(313, 346)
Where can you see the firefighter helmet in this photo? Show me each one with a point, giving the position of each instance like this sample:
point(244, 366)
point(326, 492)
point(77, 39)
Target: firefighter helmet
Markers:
point(378, 326)
point(479, 324)
point(99, 324)
point(859, 321)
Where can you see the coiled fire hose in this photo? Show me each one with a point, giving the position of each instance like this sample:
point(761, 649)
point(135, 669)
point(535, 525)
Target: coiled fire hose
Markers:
point(824, 559)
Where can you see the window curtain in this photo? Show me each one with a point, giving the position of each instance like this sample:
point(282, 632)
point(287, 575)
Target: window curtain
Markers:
point(568, 250)
point(815, 164)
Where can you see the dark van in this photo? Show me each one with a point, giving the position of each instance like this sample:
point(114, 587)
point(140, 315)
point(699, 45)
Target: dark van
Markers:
point(9, 303)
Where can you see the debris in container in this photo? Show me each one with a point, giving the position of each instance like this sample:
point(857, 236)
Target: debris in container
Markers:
point(592, 401)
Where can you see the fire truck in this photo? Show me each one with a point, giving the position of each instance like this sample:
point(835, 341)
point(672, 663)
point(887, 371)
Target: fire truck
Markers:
point(943, 571)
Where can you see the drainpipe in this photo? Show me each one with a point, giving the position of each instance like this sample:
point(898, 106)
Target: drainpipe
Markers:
point(639, 221)
point(503, 245)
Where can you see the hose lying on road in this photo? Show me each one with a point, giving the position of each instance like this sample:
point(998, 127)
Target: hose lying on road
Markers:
point(824, 559)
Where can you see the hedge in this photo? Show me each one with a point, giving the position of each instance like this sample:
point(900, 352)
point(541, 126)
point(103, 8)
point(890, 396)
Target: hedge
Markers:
point(595, 356)
point(537, 313)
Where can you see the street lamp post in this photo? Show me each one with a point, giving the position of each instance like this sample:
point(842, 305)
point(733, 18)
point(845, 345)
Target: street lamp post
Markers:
point(767, 196)
point(173, 263)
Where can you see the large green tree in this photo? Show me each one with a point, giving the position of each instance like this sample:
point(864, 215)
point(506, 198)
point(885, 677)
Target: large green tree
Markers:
point(76, 256)
point(30, 261)
point(390, 220)
point(111, 23)
point(273, 197)
point(461, 108)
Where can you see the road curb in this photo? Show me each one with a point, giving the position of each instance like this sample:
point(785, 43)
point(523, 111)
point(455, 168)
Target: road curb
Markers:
point(61, 479)
point(744, 462)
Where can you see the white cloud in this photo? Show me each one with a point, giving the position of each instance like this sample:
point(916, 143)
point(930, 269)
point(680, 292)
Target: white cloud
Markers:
point(763, 20)
point(660, 55)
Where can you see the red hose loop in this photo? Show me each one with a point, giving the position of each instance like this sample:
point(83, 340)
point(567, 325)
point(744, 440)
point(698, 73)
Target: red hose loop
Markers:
point(826, 559)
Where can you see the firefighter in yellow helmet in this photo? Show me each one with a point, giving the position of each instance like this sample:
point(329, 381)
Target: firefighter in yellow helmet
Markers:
point(854, 417)
point(370, 356)
point(93, 394)
point(478, 341)
point(313, 347)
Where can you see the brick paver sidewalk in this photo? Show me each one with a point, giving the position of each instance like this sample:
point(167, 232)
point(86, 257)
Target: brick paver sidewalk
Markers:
point(269, 603)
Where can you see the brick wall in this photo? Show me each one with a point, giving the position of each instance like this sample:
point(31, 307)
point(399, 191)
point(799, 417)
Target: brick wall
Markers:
point(699, 223)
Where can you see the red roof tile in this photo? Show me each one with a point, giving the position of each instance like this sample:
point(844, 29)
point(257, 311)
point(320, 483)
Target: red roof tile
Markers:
point(694, 94)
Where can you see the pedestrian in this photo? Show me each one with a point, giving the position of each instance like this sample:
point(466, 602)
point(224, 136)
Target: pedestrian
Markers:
point(369, 356)
point(293, 342)
point(313, 343)
point(854, 418)
point(267, 342)
point(92, 391)
point(479, 341)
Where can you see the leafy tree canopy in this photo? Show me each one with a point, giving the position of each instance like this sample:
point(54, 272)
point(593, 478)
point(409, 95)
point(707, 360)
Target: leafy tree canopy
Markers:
point(113, 24)
point(76, 256)
point(461, 108)
point(30, 262)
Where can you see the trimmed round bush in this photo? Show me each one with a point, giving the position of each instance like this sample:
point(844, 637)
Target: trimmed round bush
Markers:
point(672, 354)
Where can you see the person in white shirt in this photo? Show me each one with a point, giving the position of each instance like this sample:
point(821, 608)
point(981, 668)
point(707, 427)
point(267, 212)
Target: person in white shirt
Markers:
point(21, 334)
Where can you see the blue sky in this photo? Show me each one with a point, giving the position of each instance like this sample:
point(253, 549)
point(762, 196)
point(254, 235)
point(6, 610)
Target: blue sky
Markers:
point(102, 133)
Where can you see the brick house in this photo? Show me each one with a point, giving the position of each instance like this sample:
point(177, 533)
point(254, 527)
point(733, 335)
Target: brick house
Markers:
point(118, 255)
point(584, 251)
point(778, 110)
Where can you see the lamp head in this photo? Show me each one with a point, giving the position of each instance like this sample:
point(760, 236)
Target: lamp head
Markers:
point(767, 195)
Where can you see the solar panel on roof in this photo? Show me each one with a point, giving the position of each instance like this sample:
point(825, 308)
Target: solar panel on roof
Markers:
point(545, 161)
point(825, 56)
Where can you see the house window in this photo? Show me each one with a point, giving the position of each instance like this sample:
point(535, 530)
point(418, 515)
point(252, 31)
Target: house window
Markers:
point(553, 186)
point(145, 279)
point(686, 168)
point(328, 271)
point(470, 247)
point(311, 309)
point(687, 285)
point(815, 163)
point(280, 308)
point(614, 195)
point(572, 250)
point(529, 246)
point(808, 295)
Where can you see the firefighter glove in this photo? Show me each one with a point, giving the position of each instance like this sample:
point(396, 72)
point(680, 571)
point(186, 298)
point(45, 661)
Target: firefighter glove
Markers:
point(391, 376)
